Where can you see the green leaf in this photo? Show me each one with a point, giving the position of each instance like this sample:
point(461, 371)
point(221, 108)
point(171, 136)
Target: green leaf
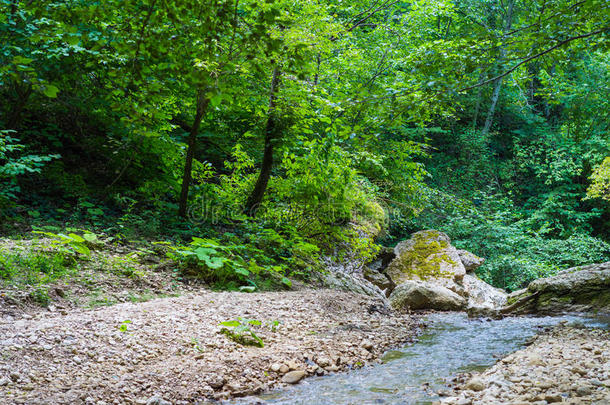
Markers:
point(230, 324)
point(286, 281)
point(76, 238)
point(22, 60)
point(214, 262)
point(50, 91)
point(242, 271)
point(90, 237)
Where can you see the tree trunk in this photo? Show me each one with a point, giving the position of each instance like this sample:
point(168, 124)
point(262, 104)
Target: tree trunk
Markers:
point(202, 105)
point(498, 82)
point(258, 192)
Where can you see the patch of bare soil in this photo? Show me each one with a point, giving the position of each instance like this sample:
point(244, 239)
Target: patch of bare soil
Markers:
point(170, 349)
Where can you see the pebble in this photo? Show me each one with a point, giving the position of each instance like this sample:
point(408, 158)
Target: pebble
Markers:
point(475, 384)
point(157, 400)
point(558, 367)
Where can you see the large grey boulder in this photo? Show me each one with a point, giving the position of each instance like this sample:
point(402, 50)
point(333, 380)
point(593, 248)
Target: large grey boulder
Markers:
point(585, 288)
point(354, 283)
point(483, 299)
point(427, 255)
point(413, 294)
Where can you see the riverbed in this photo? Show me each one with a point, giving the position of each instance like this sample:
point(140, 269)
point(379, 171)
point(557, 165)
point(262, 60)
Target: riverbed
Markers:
point(414, 374)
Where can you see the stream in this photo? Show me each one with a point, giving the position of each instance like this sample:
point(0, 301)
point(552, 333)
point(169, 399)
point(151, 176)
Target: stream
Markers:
point(451, 344)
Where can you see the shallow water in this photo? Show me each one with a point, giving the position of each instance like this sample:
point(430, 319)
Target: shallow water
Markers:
point(451, 344)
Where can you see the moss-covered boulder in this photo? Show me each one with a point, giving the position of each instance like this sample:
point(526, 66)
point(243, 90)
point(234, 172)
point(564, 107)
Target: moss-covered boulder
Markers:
point(582, 289)
point(426, 256)
point(428, 260)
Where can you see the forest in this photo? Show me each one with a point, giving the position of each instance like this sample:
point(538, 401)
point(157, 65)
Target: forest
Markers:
point(257, 138)
point(399, 201)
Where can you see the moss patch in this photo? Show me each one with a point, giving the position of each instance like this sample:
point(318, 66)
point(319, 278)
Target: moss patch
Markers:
point(425, 256)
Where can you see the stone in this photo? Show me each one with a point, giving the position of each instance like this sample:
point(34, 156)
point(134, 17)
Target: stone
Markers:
point(15, 376)
point(284, 369)
point(380, 280)
point(275, 367)
point(367, 344)
point(535, 360)
point(323, 361)
point(423, 295)
point(353, 283)
point(157, 400)
point(4, 381)
point(216, 381)
point(483, 299)
point(578, 289)
point(475, 384)
point(294, 377)
point(470, 261)
point(426, 255)
point(552, 398)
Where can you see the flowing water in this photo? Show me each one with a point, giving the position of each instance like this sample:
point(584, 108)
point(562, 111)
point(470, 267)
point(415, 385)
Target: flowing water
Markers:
point(451, 344)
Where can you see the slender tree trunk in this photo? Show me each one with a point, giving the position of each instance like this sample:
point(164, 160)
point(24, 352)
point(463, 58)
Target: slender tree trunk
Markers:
point(260, 187)
point(492, 107)
point(498, 82)
point(202, 105)
point(477, 107)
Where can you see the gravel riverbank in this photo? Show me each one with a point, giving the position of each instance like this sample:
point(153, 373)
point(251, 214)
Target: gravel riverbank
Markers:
point(567, 365)
point(171, 350)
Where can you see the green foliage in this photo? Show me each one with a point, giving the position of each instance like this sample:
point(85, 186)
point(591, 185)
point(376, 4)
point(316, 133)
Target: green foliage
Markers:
point(33, 268)
point(14, 163)
point(124, 326)
point(515, 255)
point(379, 109)
point(71, 243)
point(240, 331)
point(600, 181)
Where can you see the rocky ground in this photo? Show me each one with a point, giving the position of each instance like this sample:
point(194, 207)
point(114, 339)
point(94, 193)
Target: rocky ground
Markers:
point(567, 365)
point(170, 349)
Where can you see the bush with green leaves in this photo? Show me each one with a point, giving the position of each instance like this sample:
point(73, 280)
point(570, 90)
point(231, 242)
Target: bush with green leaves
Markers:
point(240, 331)
point(225, 264)
point(15, 162)
point(72, 242)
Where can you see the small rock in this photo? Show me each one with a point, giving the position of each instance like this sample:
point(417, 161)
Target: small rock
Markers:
point(275, 367)
point(284, 369)
point(583, 391)
point(552, 398)
point(294, 377)
point(15, 376)
point(475, 384)
point(4, 381)
point(367, 344)
point(323, 361)
point(216, 381)
point(535, 360)
point(157, 400)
